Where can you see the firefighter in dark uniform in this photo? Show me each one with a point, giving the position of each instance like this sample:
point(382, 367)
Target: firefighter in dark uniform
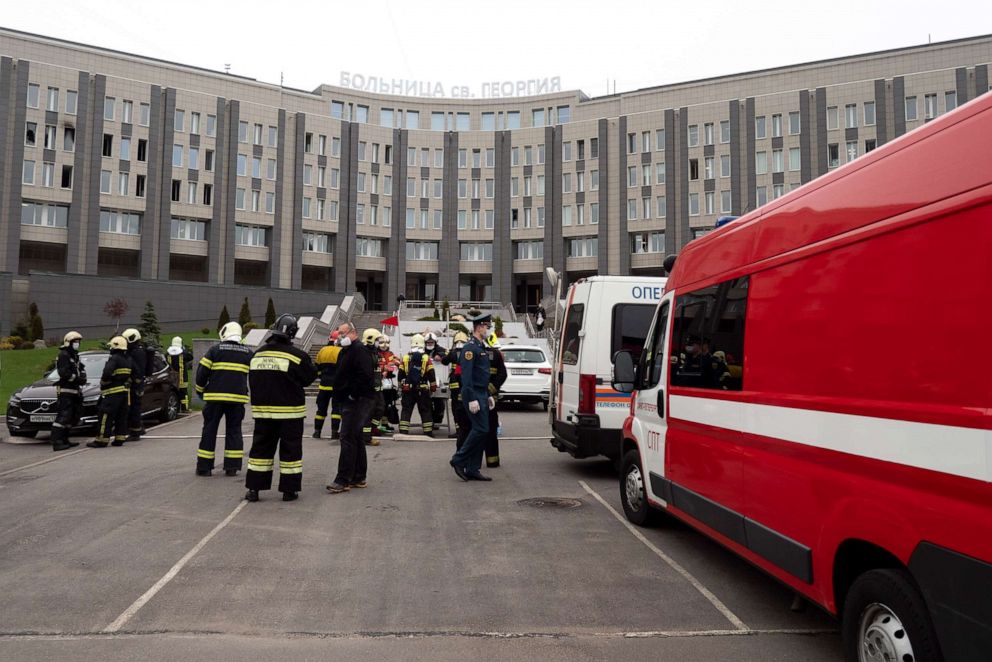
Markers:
point(139, 366)
point(180, 359)
point(378, 409)
point(115, 393)
point(436, 353)
point(497, 377)
point(417, 382)
point(279, 373)
point(451, 359)
point(327, 365)
point(474, 388)
point(222, 382)
point(72, 377)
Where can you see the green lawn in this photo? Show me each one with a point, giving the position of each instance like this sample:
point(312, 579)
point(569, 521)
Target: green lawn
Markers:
point(20, 367)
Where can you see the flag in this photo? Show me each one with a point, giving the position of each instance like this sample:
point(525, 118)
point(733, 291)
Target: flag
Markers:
point(390, 321)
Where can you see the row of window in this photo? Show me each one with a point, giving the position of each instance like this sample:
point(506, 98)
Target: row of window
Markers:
point(451, 121)
point(28, 176)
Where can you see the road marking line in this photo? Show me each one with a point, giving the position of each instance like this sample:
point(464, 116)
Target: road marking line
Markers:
point(61, 455)
point(715, 601)
point(414, 634)
point(150, 593)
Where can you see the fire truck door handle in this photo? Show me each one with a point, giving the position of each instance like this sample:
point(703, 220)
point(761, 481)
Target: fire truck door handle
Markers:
point(661, 403)
point(561, 377)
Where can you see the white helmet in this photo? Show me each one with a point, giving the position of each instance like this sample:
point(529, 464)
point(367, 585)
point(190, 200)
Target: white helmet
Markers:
point(118, 342)
point(131, 335)
point(383, 342)
point(417, 342)
point(430, 338)
point(369, 336)
point(69, 337)
point(231, 331)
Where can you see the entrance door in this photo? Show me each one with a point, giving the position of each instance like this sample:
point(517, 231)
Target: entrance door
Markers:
point(649, 424)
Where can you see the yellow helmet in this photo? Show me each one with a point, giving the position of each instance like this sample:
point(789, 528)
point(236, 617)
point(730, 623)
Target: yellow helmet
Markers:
point(69, 337)
point(131, 335)
point(118, 342)
point(417, 342)
point(369, 336)
point(461, 336)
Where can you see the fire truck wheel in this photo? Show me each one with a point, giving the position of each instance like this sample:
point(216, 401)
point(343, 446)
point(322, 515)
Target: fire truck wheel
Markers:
point(632, 495)
point(885, 618)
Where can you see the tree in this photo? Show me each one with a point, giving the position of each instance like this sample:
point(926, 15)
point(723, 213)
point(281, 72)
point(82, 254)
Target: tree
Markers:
point(445, 309)
point(245, 315)
point(224, 318)
point(34, 322)
point(270, 314)
point(149, 328)
point(115, 309)
point(498, 326)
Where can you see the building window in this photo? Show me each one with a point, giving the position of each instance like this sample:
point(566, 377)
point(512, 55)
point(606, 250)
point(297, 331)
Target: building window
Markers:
point(513, 119)
point(50, 134)
point(242, 168)
point(33, 95)
point(48, 175)
point(659, 140)
point(869, 108)
point(67, 176)
point(911, 109)
point(412, 119)
point(108, 108)
point(725, 131)
point(53, 100)
point(105, 181)
point(365, 247)
point(693, 204)
point(795, 159)
point(36, 213)
point(139, 186)
point(211, 125)
point(950, 101)
point(851, 115)
point(122, 183)
point(108, 145)
point(709, 200)
point(437, 121)
point(179, 120)
point(725, 165)
point(194, 123)
point(242, 132)
point(869, 145)
point(760, 196)
point(476, 252)
point(583, 247)
point(832, 118)
point(71, 101)
point(693, 135)
point(177, 158)
point(833, 155)
point(778, 161)
point(759, 126)
point(760, 163)
point(632, 143)
point(190, 230)
point(120, 222)
point(726, 202)
point(661, 207)
point(930, 106)
point(250, 235)
point(776, 126)
point(176, 188)
point(852, 150)
point(693, 169)
point(795, 126)
point(208, 192)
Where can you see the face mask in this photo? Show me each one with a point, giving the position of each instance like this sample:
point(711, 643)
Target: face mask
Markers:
point(458, 345)
point(75, 344)
point(430, 345)
point(345, 341)
point(690, 348)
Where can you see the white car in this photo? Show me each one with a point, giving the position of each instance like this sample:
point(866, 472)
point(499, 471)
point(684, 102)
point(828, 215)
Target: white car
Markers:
point(528, 374)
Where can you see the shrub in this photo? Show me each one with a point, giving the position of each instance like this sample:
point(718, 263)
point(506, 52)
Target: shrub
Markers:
point(34, 320)
point(459, 327)
point(270, 314)
point(224, 318)
point(498, 326)
point(5, 345)
point(52, 342)
point(249, 326)
point(150, 329)
point(205, 331)
point(244, 317)
point(21, 330)
point(14, 340)
point(429, 318)
point(26, 345)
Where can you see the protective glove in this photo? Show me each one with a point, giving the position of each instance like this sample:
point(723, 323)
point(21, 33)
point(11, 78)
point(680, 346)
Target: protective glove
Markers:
point(474, 407)
point(433, 388)
point(492, 402)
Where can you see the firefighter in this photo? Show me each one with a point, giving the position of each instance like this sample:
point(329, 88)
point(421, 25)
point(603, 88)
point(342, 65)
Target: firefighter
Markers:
point(378, 408)
point(327, 365)
point(474, 387)
point(138, 355)
point(436, 353)
point(222, 382)
point(462, 422)
point(180, 359)
point(115, 393)
point(72, 377)
point(388, 365)
point(416, 377)
point(278, 374)
point(497, 377)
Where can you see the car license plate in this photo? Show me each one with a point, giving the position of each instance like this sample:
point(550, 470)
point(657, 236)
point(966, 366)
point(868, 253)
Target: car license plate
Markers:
point(521, 371)
point(42, 418)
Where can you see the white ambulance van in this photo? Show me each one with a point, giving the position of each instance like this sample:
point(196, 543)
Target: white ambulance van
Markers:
point(603, 315)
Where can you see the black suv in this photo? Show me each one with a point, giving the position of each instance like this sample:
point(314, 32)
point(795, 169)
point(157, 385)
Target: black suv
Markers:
point(32, 409)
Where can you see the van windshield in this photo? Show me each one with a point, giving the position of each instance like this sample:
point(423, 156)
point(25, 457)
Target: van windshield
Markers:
point(631, 322)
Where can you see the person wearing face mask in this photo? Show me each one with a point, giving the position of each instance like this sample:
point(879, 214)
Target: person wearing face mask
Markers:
point(72, 377)
point(355, 385)
point(436, 353)
point(690, 370)
point(180, 358)
point(388, 366)
point(462, 422)
point(474, 364)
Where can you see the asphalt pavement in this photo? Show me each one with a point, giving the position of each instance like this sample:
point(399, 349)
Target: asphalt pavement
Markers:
point(117, 553)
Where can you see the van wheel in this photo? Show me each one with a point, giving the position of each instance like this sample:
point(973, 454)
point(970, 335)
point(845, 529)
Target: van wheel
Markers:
point(885, 618)
point(632, 494)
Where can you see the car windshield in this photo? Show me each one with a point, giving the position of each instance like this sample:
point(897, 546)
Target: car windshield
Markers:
point(523, 356)
point(93, 363)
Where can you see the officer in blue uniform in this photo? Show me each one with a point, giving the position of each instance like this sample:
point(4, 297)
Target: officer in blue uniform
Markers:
point(474, 364)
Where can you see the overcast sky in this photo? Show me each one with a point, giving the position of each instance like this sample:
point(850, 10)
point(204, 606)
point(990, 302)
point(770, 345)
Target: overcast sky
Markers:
point(464, 43)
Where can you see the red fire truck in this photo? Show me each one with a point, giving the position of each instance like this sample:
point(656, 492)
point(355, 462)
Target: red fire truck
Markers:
point(814, 393)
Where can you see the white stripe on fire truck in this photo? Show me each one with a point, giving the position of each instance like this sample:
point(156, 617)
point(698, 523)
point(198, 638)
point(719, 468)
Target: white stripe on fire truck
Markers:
point(958, 451)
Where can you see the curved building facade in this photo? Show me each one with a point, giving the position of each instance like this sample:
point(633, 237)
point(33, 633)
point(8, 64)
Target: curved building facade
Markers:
point(119, 166)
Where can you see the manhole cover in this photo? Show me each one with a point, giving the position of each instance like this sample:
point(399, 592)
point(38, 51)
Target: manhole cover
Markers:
point(550, 502)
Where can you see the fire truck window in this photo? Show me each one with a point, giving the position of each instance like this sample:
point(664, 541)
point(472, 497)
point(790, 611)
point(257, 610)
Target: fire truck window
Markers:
point(654, 360)
point(571, 343)
point(631, 322)
point(708, 337)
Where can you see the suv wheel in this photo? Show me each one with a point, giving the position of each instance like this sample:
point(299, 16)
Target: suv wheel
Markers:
point(632, 492)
